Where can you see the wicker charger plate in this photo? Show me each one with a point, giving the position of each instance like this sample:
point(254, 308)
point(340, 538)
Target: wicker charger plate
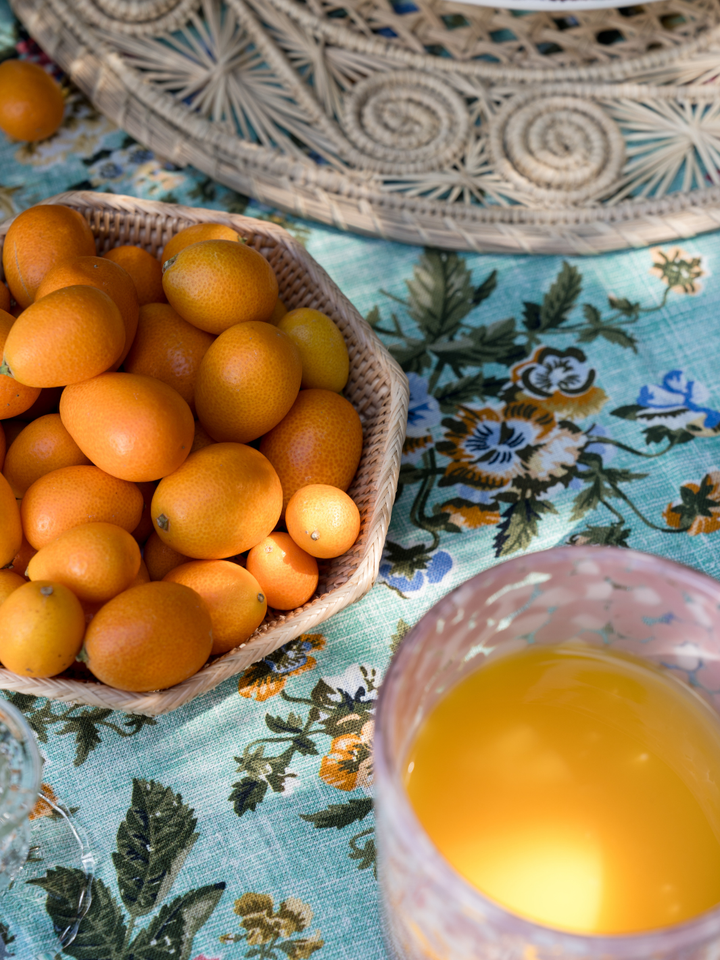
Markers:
point(377, 388)
point(426, 121)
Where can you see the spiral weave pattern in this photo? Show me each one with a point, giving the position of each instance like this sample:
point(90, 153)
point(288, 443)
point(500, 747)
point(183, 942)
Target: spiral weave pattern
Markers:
point(136, 17)
point(558, 148)
point(407, 117)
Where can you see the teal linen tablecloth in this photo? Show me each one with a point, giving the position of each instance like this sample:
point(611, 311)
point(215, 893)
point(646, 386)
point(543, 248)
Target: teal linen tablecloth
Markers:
point(552, 401)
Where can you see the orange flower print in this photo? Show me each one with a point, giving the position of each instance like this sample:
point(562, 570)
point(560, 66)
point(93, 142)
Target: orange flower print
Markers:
point(487, 447)
point(678, 269)
point(268, 676)
point(561, 381)
point(263, 925)
point(348, 764)
point(416, 444)
point(698, 509)
point(470, 516)
point(519, 445)
point(42, 808)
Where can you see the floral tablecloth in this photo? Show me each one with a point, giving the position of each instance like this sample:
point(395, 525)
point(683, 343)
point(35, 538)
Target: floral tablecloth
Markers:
point(553, 401)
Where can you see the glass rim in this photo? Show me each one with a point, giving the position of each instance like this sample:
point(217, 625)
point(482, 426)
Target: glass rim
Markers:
point(23, 732)
point(688, 933)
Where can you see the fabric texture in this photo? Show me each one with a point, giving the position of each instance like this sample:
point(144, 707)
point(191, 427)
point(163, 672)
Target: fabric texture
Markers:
point(552, 401)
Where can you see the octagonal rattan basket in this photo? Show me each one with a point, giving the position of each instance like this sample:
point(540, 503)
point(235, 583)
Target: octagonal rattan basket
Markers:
point(377, 388)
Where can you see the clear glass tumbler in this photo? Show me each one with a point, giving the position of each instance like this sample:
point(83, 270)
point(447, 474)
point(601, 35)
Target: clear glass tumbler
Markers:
point(20, 772)
point(652, 608)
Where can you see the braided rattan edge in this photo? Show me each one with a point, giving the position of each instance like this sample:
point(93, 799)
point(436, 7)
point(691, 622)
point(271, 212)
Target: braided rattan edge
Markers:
point(376, 481)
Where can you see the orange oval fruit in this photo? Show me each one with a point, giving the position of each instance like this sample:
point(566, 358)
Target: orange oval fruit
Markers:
point(132, 427)
point(324, 355)
point(149, 637)
point(319, 441)
point(288, 576)
point(41, 629)
point(224, 499)
point(106, 276)
point(94, 560)
point(215, 284)
point(43, 445)
point(11, 531)
point(68, 336)
point(145, 270)
point(15, 398)
point(38, 239)
point(168, 348)
point(161, 558)
point(236, 603)
point(90, 609)
point(31, 102)
point(323, 520)
point(196, 233)
point(70, 496)
point(247, 381)
point(9, 581)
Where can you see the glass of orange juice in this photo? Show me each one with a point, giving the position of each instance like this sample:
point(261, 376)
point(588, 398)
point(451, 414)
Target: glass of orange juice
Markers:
point(547, 762)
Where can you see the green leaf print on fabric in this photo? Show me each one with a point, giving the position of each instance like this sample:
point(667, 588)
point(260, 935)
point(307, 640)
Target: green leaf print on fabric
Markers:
point(269, 933)
point(152, 843)
point(6, 941)
point(614, 535)
point(504, 449)
point(401, 631)
point(171, 932)
point(362, 849)
point(84, 723)
point(343, 713)
point(340, 815)
point(519, 525)
point(560, 298)
point(440, 294)
point(102, 931)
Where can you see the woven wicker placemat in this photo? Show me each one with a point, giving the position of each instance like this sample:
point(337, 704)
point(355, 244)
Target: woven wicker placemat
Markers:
point(426, 121)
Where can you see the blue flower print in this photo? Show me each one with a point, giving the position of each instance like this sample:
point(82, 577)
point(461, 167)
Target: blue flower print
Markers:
point(416, 571)
point(678, 403)
point(424, 410)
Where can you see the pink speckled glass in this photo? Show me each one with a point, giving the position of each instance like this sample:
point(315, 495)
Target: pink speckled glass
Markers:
point(647, 606)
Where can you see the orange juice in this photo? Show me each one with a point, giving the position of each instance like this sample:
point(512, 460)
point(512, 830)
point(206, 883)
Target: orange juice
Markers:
point(576, 787)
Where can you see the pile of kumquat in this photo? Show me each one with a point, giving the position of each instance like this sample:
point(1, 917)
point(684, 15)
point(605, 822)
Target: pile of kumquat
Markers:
point(175, 451)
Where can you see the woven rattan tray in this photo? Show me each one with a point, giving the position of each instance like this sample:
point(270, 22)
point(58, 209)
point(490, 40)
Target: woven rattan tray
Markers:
point(377, 388)
point(426, 121)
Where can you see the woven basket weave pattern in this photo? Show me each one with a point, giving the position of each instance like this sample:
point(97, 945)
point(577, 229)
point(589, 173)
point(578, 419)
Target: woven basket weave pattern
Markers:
point(377, 388)
point(426, 121)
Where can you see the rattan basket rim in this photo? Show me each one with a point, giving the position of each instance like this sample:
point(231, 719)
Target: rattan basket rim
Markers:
point(145, 216)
